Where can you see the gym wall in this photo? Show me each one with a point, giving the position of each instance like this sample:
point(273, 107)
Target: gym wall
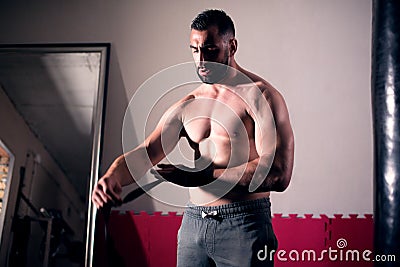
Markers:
point(317, 53)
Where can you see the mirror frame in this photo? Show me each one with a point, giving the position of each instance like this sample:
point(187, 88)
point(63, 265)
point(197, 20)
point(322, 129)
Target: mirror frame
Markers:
point(97, 119)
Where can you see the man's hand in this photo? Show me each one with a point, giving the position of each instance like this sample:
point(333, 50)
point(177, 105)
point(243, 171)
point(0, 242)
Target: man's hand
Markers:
point(184, 176)
point(107, 191)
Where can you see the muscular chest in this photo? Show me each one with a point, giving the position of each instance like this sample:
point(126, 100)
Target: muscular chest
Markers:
point(221, 117)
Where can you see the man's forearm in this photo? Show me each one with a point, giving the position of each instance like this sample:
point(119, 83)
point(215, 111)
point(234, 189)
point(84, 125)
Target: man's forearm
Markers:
point(267, 178)
point(130, 167)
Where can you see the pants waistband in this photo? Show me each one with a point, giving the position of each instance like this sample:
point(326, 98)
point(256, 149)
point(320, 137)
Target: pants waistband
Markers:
point(230, 210)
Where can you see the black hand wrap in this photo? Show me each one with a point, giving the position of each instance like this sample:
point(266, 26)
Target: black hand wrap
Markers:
point(190, 177)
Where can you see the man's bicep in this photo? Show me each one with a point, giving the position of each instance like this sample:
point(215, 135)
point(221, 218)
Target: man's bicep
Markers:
point(276, 137)
point(265, 134)
point(284, 154)
point(166, 134)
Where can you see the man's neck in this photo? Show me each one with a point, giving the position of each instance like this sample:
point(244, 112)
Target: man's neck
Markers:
point(235, 76)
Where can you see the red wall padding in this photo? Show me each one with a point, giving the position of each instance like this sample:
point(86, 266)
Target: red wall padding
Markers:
point(150, 240)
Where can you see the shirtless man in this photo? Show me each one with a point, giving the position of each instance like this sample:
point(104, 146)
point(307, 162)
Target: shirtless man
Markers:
point(230, 122)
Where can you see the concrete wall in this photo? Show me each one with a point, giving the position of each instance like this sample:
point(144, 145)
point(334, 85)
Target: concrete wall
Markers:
point(316, 52)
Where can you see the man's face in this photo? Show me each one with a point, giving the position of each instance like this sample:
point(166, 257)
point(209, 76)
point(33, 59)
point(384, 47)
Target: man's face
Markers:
point(211, 54)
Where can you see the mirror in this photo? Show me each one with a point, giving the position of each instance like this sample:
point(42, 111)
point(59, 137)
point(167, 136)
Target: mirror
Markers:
point(53, 98)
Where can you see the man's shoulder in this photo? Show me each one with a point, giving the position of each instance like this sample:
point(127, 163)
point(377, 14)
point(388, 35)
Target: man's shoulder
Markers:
point(271, 94)
point(260, 82)
point(266, 88)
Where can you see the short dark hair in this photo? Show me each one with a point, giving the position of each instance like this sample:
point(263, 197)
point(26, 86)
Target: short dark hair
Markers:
point(213, 17)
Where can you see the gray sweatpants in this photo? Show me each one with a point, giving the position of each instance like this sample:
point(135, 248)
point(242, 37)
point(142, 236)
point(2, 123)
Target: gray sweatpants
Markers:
point(237, 234)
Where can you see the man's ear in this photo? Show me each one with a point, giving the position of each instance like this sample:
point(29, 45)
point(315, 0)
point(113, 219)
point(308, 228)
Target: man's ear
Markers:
point(232, 46)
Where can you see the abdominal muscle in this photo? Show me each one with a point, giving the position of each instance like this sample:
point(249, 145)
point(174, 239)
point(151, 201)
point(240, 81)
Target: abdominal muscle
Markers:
point(200, 197)
point(224, 152)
